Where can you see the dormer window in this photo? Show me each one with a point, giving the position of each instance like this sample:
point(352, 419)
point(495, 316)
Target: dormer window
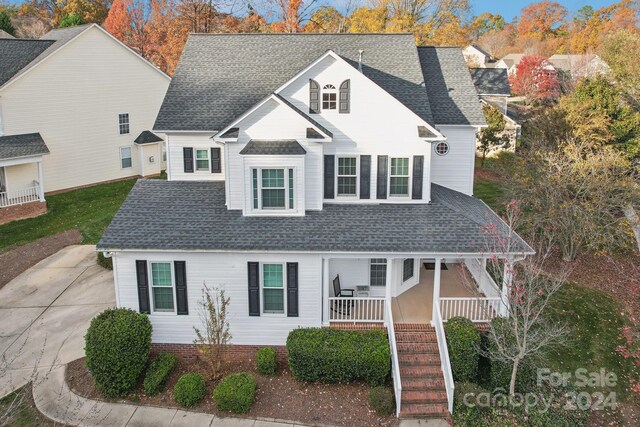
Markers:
point(273, 188)
point(329, 97)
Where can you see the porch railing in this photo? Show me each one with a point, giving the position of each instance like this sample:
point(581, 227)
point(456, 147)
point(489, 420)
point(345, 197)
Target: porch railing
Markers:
point(358, 309)
point(18, 197)
point(445, 363)
point(485, 282)
point(395, 363)
point(480, 309)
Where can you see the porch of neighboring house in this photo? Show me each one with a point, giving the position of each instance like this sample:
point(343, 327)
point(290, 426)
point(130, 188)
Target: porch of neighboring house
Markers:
point(21, 177)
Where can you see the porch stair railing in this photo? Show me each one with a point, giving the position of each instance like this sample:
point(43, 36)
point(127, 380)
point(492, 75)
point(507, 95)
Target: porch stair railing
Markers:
point(395, 363)
point(476, 309)
point(357, 309)
point(19, 197)
point(445, 362)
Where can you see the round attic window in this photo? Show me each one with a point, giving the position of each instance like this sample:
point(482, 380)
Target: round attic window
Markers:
point(442, 148)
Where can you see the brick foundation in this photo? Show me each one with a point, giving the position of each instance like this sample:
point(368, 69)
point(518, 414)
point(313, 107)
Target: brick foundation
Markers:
point(24, 211)
point(229, 352)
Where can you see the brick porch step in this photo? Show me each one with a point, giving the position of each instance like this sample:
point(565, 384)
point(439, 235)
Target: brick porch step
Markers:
point(422, 410)
point(424, 396)
point(415, 327)
point(416, 337)
point(419, 359)
point(435, 383)
point(419, 371)
point(412, 347)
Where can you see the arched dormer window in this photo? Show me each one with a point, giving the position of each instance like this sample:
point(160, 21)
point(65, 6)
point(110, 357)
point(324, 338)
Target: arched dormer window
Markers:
point(329, 97)
point(314, 97)
point(345, 97)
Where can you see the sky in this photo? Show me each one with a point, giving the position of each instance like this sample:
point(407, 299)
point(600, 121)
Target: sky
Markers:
point(510, 8)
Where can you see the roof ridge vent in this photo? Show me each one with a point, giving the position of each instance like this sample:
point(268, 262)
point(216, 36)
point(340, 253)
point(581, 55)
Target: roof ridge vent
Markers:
point(360, 52)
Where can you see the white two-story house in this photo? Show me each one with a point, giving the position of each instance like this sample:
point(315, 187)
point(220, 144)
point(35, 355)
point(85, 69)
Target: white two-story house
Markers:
point(319, 180)
point(76, 109)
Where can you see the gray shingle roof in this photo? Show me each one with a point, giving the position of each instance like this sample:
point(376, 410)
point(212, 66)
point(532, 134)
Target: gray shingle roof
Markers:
point(193, 216)
point(285, 147)
point(28, 144)
point(424, 132)
point(491, 81)
point(220, 76)
point(451, 91)
point(16, 59)
point(147, 137)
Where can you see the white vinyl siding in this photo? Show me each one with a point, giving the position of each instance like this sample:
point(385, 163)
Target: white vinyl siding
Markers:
point(455, 169)
point(227, 271)
point(198, 141)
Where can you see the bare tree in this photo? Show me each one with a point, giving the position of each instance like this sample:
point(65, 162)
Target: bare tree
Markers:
point(216, 334)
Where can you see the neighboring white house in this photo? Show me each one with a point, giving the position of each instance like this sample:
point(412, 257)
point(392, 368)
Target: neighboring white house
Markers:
point(319, 179)
point(510, 62)
point(88, 97)
point(477, 57)
point(579, 66)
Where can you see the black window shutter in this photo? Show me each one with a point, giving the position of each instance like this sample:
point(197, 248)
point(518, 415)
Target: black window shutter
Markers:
point(329, 176)
point(418, 171)
point(215, 160)
point(143, 286)
point(254, 288)
point(365, 177)
point(345, 96)
point(180, 270)
point(314, 97)
point(381, 192)
point(187, 154)
point(292, 289)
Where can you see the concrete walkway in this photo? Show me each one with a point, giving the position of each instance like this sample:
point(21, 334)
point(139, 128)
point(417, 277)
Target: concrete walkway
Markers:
point(45, 312)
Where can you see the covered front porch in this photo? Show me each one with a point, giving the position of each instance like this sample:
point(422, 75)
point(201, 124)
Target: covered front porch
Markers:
point(21, 177)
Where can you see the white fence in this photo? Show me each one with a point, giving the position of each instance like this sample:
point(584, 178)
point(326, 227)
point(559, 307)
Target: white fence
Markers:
point(18, 197)
point(475, 309)
point(365, 309)
point(482, 277)
point(395, 363)
point(445, 363)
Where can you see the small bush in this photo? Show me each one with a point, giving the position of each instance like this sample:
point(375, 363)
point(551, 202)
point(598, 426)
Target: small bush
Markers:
point(266, 361)
point(335, 355)
point(381, 400)
point(105, 262)
point(235, 393)
point(189, 390)
point(471, 415)
point(117, 347)
point(157, 373)
point(463, 341)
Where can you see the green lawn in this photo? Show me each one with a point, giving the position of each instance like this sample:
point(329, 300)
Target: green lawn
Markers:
point(88, 209)
point(491, 192)
point(24, 414)
point(595, 320)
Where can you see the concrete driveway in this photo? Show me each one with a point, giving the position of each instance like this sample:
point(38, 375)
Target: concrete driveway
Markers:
point(45, 312)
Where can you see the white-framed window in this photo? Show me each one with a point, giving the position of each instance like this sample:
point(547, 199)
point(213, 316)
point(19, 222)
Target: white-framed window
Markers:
point(202, 159)
point(399, 176)
point(273, 188)
point(407, 269)
point(123, 123)
point(329, 97)
point(125, 157)
point(378, 272)
point(162, 294)
point(273, 294)
point(347, 181)
point(441, 148)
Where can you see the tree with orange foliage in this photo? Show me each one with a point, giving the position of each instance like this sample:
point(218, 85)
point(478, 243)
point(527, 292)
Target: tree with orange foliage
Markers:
point(536, 79)
point(607, 20)
point(542, 20)
point(291, 14)
point(118, 20)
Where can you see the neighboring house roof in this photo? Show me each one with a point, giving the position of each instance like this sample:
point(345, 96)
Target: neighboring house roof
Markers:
point(481, 50)
point(451, 91)
point(39, 50)
point(579, 64)
point(5, 35)
point(221, 76)
point(512, 59)
point(193, 216)
point(491, 81)
point(274, 147)
point(147, 137)
point(24, 145)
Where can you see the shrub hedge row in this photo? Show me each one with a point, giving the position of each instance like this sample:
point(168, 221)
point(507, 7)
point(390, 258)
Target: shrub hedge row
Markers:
point(463, 341)
point(335, 355)
point(158, 372)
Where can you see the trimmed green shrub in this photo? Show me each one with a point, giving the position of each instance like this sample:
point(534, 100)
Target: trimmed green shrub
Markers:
point(117, 347)
point(189, 390)
point(105, 262)
point(235, 393)
point(266, 361)
point(471, 415)
point(381, 400)
point(335, 355)
point(463, 341)
point(158, 372)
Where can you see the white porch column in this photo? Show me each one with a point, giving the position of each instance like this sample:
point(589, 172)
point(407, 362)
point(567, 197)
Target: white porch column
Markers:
point(507, 282)
point(436, 287)
point(40, 181)
point(388, 284)
point(325, 291)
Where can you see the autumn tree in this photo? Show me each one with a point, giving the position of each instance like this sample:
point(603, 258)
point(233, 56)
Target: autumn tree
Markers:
point(5, 23)
point(71, 21)
point(536, 79)
point(118, 20)
point(327, 19)
point(368, 20)
point(621, 51)
point(214, 308)
point(484, 23)
point(604, 21)
point(493, 135)
point(542, 20)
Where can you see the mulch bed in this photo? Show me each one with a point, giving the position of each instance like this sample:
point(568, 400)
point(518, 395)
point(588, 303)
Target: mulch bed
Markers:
point(16, 260)
point(278, 397)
